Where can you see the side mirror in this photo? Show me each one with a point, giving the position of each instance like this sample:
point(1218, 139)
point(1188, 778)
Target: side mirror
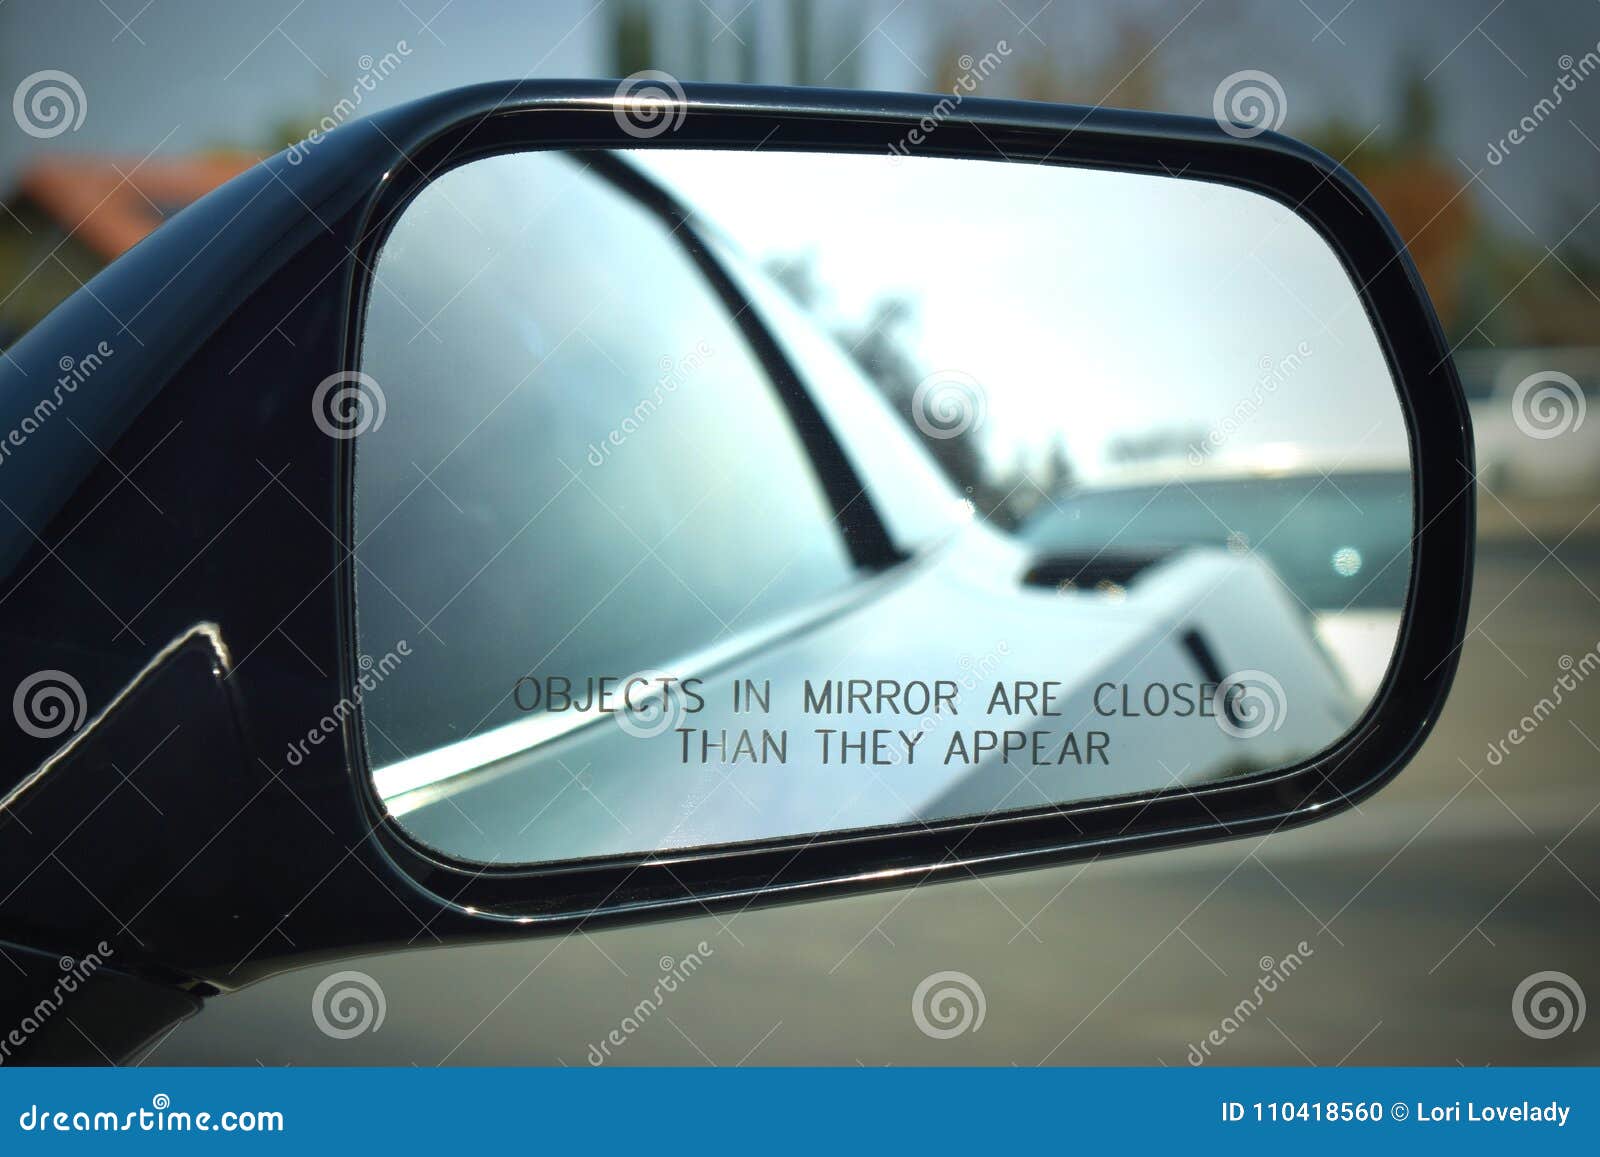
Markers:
point(534, 505)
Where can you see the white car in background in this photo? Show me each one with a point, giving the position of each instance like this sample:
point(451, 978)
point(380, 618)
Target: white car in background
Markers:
point(1530, 417)
point(1338, 537)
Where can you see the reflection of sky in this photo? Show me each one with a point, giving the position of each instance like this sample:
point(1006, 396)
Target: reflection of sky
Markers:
point(1091, 306)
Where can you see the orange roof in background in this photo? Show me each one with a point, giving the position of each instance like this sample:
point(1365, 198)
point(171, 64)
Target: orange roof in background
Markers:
point(106, 202)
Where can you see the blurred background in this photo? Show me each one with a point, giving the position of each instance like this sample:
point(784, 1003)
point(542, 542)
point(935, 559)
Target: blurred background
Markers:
point(1476, 124)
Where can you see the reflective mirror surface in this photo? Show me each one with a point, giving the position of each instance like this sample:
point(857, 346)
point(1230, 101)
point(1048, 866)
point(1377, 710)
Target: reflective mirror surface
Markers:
point(715, 497)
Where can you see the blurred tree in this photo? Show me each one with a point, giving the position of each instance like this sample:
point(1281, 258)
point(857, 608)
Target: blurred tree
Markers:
point(287, 131)
point(879, 344)
point(1489, 287)
point(1058, 476)
point(1126, 74)
point(1404, 169)
point(747, 26)
point(801, 55)
point(632, 38)
point(841, 45)
point(1157, 442)
point(823, 44)
point(797, 276)
point(694, 66)
point(1419, 111)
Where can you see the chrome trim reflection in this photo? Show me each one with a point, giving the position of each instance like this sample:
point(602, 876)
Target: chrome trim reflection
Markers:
point(210, 632)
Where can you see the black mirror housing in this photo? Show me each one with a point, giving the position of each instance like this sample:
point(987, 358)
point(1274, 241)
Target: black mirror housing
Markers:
point(211, 814)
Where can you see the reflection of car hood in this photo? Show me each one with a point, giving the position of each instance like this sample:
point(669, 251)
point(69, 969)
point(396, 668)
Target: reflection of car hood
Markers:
point(599, 790)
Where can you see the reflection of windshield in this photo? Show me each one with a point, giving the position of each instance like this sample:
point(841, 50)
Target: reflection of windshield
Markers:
point(908, 490)
point(1337, 542)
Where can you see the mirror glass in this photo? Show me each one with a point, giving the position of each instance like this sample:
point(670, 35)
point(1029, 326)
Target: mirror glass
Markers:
point(706, 497)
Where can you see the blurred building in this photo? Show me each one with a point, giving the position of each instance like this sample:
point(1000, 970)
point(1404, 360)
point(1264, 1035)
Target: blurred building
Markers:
point(70, 216)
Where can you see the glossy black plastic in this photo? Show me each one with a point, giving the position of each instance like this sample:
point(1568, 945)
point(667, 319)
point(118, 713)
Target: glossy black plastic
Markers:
point(224, 323)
